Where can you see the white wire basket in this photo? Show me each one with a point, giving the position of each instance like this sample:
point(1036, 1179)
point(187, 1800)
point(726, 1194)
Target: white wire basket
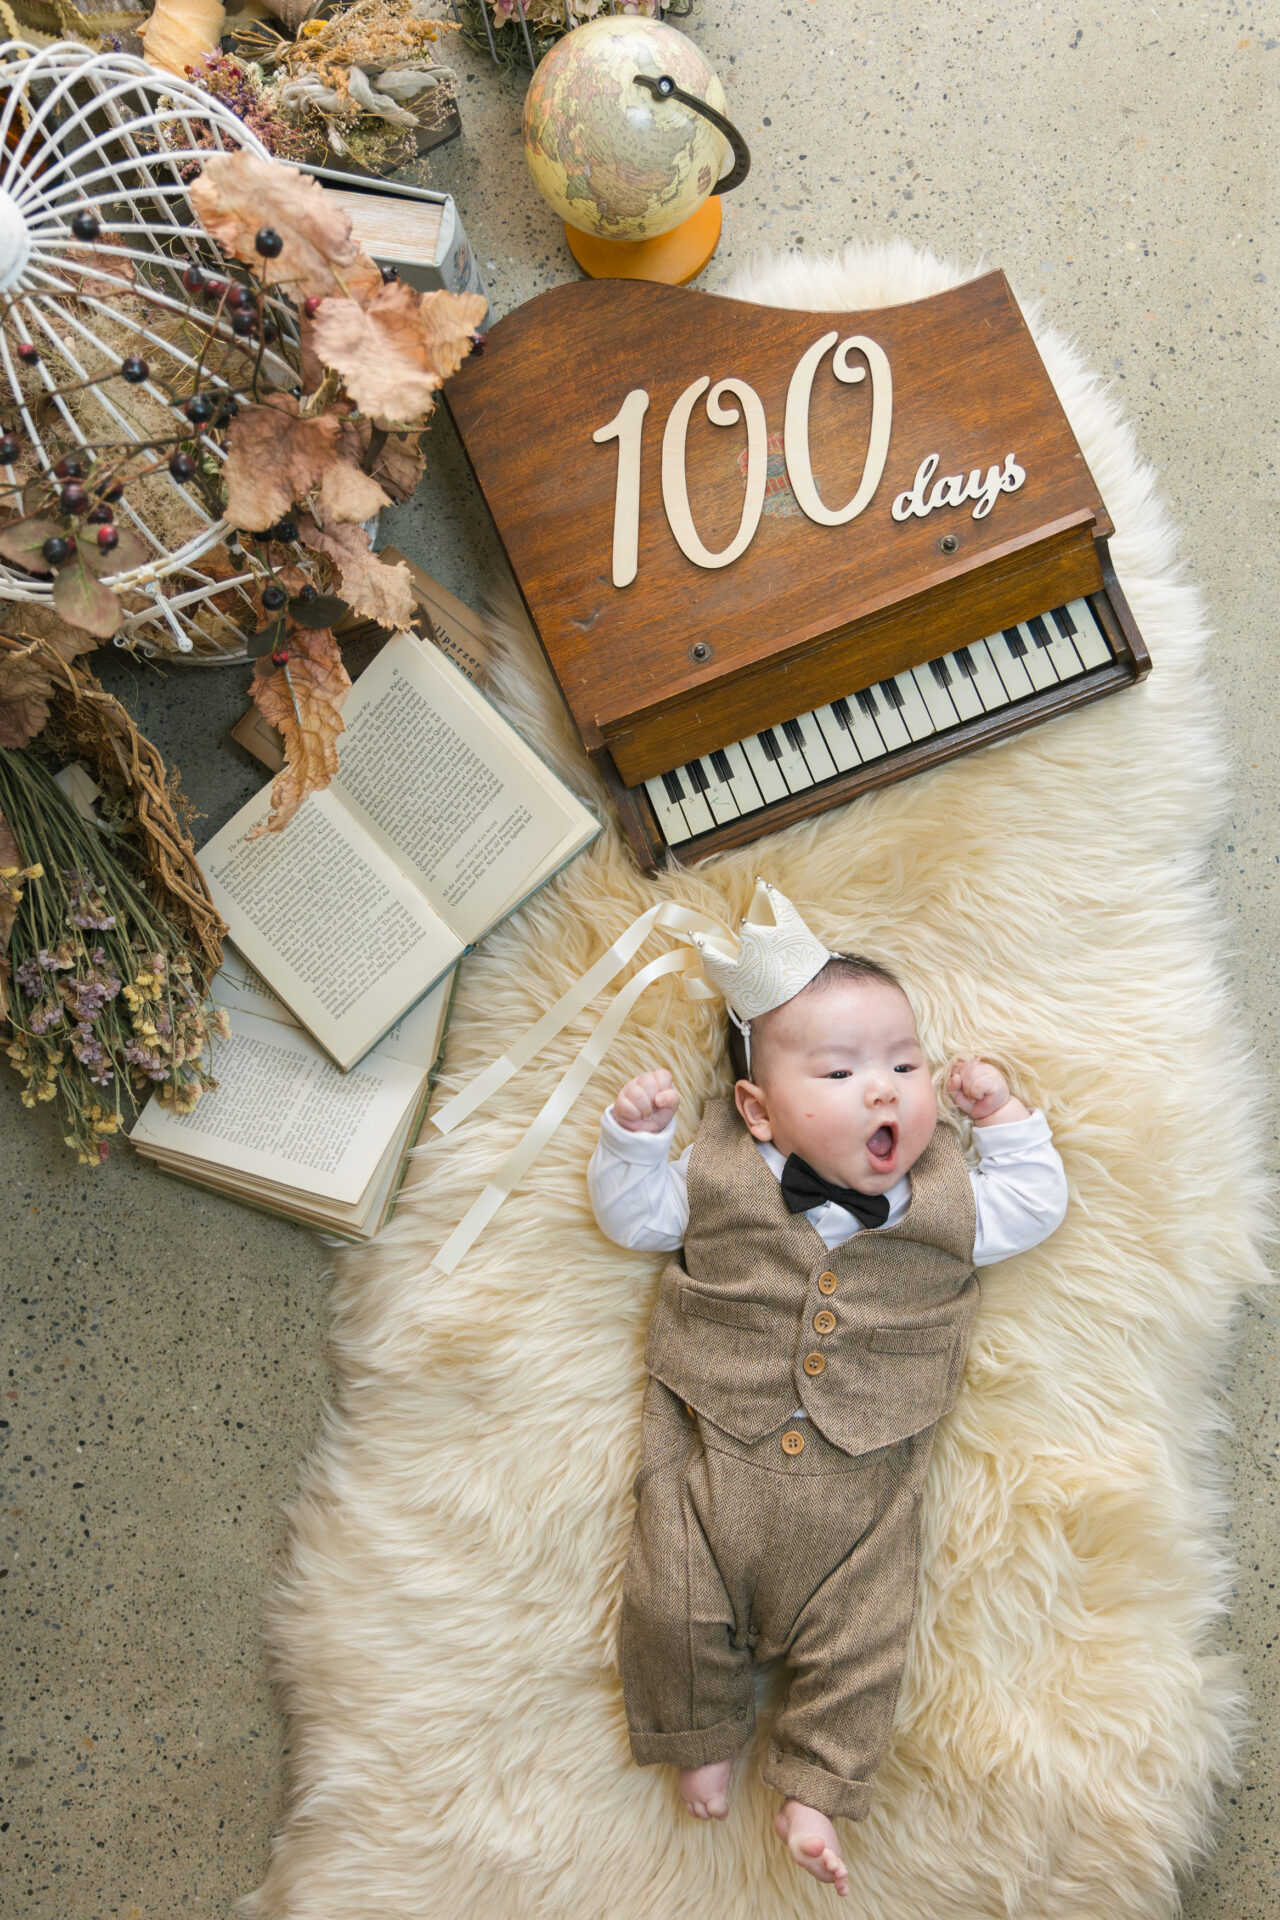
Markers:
point(108, 135)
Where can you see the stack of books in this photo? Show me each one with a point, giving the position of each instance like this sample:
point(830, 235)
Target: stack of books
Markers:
point(346, 929)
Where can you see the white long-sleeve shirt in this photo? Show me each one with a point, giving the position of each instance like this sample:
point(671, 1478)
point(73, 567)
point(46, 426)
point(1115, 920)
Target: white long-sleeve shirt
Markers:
point(641, 1198)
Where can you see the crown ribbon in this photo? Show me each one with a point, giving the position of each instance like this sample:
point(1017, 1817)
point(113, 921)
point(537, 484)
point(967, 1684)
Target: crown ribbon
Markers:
point(765, 964)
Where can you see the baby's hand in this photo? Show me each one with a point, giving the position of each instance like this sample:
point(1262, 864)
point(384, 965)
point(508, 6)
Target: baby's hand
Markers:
point(981, 1091)
point(647, 1103)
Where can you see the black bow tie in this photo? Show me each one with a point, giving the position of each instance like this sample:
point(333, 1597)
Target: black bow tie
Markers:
point(802, 1188)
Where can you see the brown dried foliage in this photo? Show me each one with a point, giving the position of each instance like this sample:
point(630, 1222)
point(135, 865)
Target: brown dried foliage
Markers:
point(301, 700)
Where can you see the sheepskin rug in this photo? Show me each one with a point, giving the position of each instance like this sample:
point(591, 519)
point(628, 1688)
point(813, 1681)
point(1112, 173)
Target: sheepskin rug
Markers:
point(445, 1623)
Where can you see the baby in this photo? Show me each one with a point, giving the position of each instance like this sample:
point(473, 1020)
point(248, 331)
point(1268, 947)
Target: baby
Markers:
point(809, 1333)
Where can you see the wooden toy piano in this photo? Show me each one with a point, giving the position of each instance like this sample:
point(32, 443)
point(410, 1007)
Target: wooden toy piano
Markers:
point(777, 558)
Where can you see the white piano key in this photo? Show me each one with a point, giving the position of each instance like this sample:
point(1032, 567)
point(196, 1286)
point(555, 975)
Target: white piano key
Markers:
point(1008, 666)
point(866, 735)
point(817, 754)
point(696, 811)
point(717, 793)
point(990, 687)
point(792, 764)
point(888, 719)
point(838, 736)
point(1039, 667)
point(767, 777)
point(936, 697)
point(962, 691)
point(916, 717)
point(1066, 661)
point(670, 812)
point(746, 790)
point(1089, 640)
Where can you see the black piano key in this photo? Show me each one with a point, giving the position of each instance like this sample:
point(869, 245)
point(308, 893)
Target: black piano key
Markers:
point(1065, 624)
point(720, 761)
point(1038, 630)
point(1017, 645)
point(867, 701)
point(941, 672)
point(697, 777)
point(769, 741)
point(891, 693)
point(840, 708)
point(675, 792)
point(794, 735)
point(964, 660)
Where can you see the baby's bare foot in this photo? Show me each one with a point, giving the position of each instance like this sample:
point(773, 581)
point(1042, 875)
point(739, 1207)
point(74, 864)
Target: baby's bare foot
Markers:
point(705, 1790)
point(812, 1841)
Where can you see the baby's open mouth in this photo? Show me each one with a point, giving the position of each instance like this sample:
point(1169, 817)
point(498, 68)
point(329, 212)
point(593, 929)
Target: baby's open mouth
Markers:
point(881, 1143)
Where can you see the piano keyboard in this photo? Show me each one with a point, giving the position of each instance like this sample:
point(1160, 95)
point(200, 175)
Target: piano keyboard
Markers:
point(875, 722)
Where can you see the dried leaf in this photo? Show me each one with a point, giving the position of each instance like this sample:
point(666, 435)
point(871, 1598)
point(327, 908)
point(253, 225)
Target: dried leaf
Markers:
point(371, 587)
point(395, 350)
point(275, 458)
point(324, 611)
point(128, 552)
point(27, 678)
point(395, 460)
point(346, 493)
point(22, 540)
point(84, 601)
point(400, 465)
point(237, 194)
point(301, 701)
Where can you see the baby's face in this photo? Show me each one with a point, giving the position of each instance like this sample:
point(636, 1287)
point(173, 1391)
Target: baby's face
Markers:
point(843, 1083)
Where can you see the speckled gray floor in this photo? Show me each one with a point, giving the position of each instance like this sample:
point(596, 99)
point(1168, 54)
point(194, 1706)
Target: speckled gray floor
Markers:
point(166, 1364)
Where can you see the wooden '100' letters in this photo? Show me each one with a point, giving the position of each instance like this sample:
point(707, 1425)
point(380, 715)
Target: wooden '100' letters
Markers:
point(627, 428)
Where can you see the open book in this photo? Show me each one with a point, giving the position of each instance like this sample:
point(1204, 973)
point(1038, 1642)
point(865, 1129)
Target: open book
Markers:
point(283, 1129)
point(440, 821)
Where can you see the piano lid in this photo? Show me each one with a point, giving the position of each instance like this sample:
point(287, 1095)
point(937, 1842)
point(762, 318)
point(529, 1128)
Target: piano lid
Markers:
point(941, 398)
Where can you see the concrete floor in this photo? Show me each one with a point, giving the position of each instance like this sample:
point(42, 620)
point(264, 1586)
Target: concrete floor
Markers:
point(166, 1348)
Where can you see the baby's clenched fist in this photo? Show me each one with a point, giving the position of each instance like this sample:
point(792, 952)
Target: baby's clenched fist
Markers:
point(981, 1091)
point(647, 1103)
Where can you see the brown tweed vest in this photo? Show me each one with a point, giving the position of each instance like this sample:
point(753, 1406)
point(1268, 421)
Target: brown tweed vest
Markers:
point(756, 1317)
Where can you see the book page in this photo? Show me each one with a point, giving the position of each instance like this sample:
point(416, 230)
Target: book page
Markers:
point(240, 988)
point(440, 780)
point(283, 1112)
point(324, 914)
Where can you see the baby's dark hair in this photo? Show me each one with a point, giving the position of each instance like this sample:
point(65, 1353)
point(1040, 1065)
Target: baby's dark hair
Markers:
point(841, 966)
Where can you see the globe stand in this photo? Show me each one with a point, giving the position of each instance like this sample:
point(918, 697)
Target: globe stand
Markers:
point(673, 258)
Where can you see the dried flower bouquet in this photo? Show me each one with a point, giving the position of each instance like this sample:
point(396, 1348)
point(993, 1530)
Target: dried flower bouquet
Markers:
point(363, 89)
point(105, 1001)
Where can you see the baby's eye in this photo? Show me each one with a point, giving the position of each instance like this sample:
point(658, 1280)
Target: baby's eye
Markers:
point(839, 1073)
point(904, 1069)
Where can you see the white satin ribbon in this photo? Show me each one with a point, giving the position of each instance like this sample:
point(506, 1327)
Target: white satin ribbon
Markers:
point(682, 921)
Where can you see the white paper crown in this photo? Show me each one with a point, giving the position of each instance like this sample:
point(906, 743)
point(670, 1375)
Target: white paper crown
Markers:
point(773, 957)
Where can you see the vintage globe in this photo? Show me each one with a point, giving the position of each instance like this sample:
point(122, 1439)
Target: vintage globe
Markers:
point(610, 157)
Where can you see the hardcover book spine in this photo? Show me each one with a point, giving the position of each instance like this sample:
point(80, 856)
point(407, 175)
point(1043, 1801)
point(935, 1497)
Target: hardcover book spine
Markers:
point(456, 260)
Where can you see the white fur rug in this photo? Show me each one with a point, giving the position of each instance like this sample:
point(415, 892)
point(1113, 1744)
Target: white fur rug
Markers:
point(445, 1624)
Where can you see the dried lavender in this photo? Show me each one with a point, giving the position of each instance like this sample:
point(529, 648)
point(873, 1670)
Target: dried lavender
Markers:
point(107, 1004)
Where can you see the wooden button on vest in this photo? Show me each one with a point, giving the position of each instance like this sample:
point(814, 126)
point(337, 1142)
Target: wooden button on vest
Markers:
point(826, 1283)
point(814, 1362)
point(792, 1442)
point(824, 1322)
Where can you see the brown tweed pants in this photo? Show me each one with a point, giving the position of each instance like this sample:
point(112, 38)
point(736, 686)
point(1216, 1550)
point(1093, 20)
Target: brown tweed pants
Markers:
point(743, 1553)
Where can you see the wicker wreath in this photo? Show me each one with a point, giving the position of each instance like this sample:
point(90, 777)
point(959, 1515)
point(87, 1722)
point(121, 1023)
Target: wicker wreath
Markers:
point(87, 723)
